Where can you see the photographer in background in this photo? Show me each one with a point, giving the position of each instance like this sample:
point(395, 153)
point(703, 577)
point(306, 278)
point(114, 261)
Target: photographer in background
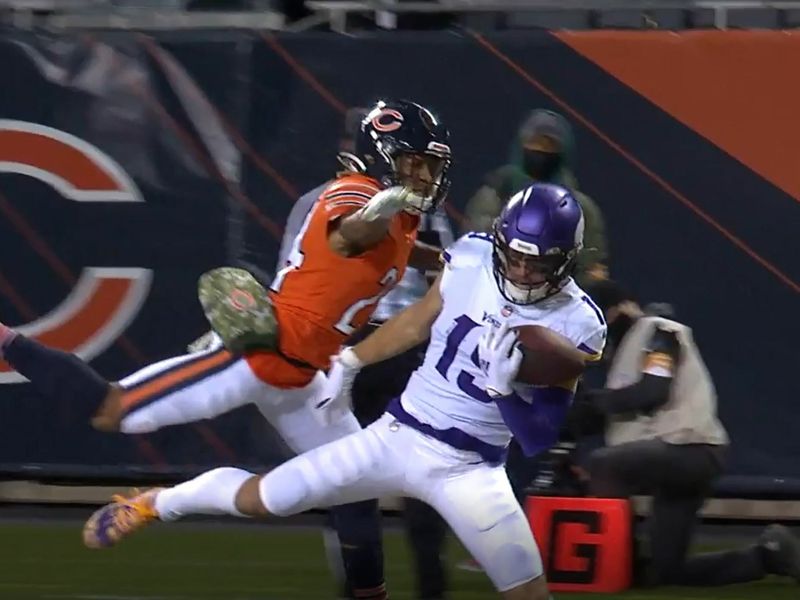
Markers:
point(663, 438)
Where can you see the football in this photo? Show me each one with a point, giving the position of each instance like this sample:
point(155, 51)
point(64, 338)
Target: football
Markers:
point(549, 358)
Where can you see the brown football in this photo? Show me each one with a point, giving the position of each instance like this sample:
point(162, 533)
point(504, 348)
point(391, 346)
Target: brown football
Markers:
point(549, 357)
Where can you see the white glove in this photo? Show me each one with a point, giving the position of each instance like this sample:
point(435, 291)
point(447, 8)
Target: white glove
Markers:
point(336, 398)
point(502, 357)
point(389, 202)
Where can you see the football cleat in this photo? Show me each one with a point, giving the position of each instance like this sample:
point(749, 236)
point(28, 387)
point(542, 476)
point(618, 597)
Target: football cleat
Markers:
point(784, 551)
point(120, 518)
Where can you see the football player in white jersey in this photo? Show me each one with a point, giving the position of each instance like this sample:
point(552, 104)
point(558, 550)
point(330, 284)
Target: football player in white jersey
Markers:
point(443, 441)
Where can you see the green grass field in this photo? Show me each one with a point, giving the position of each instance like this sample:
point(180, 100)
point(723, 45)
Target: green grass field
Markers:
point(47, 561)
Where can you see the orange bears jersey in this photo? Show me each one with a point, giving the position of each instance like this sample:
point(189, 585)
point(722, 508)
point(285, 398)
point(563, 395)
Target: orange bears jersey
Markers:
point(321, 297)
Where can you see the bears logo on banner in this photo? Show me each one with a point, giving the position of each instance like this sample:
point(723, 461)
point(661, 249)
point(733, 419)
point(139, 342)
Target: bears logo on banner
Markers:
point(104, 300)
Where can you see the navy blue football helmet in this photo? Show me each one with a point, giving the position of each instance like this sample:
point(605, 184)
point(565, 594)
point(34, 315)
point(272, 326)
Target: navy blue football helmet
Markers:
point(537, 238)
point(395, 127)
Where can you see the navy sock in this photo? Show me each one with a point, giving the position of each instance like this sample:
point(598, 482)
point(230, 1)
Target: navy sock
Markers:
point(54, 373)
point(359, 529)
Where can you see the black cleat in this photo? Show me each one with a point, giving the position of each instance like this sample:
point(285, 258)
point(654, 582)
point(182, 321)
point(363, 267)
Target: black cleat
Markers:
point(782, 551)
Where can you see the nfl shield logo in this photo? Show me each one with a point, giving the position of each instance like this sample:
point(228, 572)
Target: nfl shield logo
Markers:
point(507, 310)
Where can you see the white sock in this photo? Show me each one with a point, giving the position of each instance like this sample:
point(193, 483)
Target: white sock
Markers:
point(212, 493)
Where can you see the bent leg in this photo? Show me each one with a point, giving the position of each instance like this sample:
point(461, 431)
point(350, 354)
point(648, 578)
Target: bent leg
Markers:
point(361, 466)
point(480, 507)
point(57, 374)
point(183, 390)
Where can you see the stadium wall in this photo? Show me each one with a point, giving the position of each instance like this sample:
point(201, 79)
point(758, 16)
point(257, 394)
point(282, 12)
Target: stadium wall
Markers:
point(135, 162)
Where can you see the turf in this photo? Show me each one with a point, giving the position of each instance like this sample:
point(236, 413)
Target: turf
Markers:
point(46, 561)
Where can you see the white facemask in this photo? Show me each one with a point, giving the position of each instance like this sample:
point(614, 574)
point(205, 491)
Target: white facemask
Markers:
point(524, 295)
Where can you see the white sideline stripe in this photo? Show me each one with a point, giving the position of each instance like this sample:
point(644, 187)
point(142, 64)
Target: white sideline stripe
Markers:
point(81, 596)
point(719, 508)
point(117, 597)
point(34, 586)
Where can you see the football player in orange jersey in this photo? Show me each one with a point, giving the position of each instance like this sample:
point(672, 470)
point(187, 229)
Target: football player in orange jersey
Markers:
point(354, 245)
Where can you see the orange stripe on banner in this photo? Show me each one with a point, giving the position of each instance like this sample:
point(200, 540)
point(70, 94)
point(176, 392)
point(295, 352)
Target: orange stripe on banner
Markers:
point(10, 292)
point(158, 53)
point(572, 112)
point(332, 100)
point(54, 156)
point(40, 246)
point(171, 378)
point(737, 89)
point(303, 73)
point(147, 448)
point(213, 440)
point(234, 190)
point(95, 314)
point(35, 240)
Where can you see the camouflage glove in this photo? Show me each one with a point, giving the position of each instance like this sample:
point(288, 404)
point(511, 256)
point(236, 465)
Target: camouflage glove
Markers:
point(387, 203)
point(238, 309)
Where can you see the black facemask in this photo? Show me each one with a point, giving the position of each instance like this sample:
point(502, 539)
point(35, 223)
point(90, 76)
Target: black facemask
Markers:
point(542, 166)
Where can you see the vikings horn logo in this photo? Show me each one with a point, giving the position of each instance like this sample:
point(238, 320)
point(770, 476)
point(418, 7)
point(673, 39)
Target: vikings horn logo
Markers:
point(104, 300)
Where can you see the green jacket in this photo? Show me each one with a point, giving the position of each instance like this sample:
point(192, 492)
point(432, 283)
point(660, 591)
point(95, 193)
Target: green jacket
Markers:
point(502, 183)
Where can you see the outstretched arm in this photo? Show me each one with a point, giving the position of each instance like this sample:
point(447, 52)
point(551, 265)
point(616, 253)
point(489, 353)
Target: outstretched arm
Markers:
point(361, 229)
point(352, 235)
point(403, 331)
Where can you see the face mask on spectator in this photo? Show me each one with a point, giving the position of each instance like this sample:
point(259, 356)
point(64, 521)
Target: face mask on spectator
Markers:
point(541, 165)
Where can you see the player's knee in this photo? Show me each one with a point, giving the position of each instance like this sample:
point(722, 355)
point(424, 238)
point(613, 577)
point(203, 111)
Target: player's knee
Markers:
point(512, 558)
point(108, 417)
point(515, 564)
point(534, 589)
point(135, 422)
point(248, 498)
point(284, 491)
point(538, 589)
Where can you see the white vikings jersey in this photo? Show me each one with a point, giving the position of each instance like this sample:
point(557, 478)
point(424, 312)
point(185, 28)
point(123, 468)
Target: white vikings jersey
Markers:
point(447, 391)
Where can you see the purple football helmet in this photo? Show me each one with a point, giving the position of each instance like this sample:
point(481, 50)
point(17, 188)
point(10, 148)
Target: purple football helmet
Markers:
point(537, 238)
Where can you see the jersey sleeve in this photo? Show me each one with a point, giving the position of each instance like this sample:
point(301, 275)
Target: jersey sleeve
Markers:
point(594, 344)
point(535, 418)
point(469, 251)
point(344, 196)
point(294, 224)
point(588, 330)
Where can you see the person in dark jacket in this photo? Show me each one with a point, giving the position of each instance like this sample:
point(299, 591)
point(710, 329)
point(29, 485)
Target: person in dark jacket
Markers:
point(543, 150)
